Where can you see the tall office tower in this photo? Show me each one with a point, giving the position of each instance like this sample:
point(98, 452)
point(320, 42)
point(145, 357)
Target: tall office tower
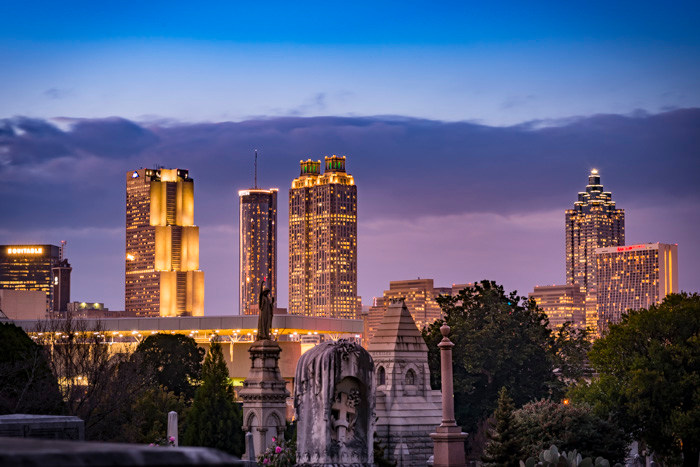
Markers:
point(323, 241)
point(561, 303)
point(29, 267)
point(594, 222)
point(633, 277)
point(61, 285)
point(257, 246)
point(162, 245)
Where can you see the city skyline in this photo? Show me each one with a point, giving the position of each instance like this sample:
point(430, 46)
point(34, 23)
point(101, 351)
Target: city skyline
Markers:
point(491, 234)
point(470, 127)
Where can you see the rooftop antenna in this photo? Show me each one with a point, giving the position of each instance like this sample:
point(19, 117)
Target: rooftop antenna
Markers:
point(63, 249)
point(256, 169)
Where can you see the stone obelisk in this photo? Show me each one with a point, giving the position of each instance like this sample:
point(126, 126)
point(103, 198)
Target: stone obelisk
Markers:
point(264, 393)
point(448, 440)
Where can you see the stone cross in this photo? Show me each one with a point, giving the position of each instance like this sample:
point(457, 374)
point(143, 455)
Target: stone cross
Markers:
point(344, 410)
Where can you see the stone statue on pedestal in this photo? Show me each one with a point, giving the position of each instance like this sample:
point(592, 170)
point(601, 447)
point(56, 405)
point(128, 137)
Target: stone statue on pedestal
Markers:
point(266, 306)
point(264, 392)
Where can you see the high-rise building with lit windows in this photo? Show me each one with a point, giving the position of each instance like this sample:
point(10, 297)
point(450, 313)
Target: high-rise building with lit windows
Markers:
point(594, 222)
point(30, 267)
point(633, 277)
point(257, 246)
point(561, 303)
point(162, 245)
point(323, 241)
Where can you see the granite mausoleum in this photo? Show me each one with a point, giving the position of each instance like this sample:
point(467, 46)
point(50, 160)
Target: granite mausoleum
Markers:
point(408, 410)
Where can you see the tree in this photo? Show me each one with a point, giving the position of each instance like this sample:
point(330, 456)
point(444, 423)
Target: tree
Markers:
point(173, 361)
point(148, 417)
point(215, 419)
point(544, 423)
point(97, 380)
point(26, 382)
point(649, 366)
point(503, 447)
point(571, 347)
point(500, 340)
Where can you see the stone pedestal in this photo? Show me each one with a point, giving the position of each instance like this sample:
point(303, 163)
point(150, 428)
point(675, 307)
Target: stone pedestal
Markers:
point(448, 439)
point(264, 395)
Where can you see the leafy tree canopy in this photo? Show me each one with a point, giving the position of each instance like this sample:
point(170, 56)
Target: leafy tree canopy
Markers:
point(649, 366)
point(173, 361)
point(501, 340)
point(215, 419)
point(27, 384)
point(543, 423)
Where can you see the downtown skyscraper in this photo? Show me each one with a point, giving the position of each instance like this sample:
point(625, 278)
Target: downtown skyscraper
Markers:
point(594, 222)
point(633, 277)
point(162, 245)
point(257, 223)
point(323, 241)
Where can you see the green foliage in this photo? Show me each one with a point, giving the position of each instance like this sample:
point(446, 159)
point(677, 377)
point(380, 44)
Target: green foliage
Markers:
point(26, 382)
point(503, 447)
point(380, 459)
point(173, 361)
point(553, 458)
point(544, 423)
point(279, 454)
point(215, 419)
point(649, 366)
point(571, 347)
point(500, 340)
point(148, 417)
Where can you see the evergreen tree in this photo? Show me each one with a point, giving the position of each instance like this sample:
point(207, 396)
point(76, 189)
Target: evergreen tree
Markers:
point(215, 419)
point(503, 447)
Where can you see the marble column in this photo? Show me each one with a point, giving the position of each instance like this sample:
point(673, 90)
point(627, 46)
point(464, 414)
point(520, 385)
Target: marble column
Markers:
point(448, 439)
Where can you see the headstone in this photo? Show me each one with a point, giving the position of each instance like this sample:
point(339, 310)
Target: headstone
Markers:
point(42, 426)
point(172, 427)
point(334, 402)
point(408, 410)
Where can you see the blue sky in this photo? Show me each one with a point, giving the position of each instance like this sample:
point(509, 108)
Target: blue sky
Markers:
point(495, 62)
point(470, 126)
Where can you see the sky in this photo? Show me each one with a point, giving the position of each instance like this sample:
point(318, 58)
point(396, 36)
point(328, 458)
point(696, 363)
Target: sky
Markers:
point(469, 127)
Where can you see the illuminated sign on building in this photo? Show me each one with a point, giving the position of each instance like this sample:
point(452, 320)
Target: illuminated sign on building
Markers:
point(25, 251)
point(631, 247)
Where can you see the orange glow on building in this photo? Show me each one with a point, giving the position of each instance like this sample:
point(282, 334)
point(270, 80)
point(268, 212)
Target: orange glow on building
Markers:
point(162, 245)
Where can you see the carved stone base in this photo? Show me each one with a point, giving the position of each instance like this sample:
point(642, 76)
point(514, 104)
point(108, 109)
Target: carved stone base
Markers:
point(264, 395)
point(449, 446)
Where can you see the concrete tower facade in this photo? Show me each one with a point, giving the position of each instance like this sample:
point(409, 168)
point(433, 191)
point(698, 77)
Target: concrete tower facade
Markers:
point(162, 245)
point(323, 241)
point(30, 267)
point(257, 246)
point(594, 222)
point(633, 277)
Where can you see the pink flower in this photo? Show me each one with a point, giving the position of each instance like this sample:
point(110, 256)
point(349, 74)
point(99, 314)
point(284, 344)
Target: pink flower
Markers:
point(274, 439)
point(278, 450)
point(266, 460)
point(172, 438)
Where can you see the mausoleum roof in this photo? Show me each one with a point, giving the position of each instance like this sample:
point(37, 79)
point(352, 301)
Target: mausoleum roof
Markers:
point(397, 332)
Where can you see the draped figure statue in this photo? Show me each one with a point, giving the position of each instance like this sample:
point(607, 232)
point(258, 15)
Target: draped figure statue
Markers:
point(266, 304)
